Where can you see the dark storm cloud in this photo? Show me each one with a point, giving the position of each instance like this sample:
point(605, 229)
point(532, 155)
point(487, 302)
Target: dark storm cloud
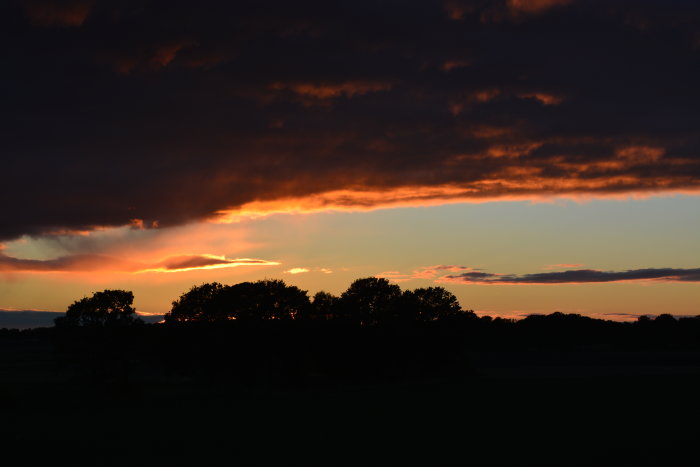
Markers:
point(577, 276)
point(172, 111)
point(57, 12)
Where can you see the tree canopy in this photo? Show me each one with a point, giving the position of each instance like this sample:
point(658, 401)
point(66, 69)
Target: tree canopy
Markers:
point(367, 301)
point(197, 304)
point(370, 300)
point(106, 308)
point(246, 301)
point(430, 304)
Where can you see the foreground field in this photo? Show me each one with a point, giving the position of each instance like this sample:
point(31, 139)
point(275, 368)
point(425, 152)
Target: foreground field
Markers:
point(89, 404)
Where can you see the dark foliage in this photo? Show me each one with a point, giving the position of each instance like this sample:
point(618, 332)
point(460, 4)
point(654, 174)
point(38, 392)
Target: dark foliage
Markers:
point(247, 301)
point(440, 382)
point(430, 304)
point(367, 302)
point(106, 308)
point(324, 307)
point(370, 301)
point(266, 332)
point(197, 304)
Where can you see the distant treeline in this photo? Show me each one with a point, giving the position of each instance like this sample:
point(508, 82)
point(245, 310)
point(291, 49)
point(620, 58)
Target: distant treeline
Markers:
point(267, 332)
point(367, 302)
point(370, 307)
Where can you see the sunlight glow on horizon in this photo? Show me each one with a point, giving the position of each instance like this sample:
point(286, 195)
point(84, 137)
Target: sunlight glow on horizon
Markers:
point(515, 237)
point(363, 200)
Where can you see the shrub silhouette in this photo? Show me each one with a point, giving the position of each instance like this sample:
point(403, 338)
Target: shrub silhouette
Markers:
point(106, 308)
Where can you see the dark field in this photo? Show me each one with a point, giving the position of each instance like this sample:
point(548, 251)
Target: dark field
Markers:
point(272, 395)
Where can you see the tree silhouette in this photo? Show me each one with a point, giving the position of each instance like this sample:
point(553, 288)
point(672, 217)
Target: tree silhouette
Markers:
point(324, 307)
point(367, 301)
point(665, 319)
point(263, 300)
point(246, 301)
point(371, 300)
point(197, 304)
point(429, 304)
point(106, 308)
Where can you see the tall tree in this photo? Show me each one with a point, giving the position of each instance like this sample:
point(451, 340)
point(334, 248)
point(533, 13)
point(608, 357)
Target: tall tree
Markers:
point(106, 308)
point(197, 304)
point(324, 306)
point(430, 304)
point(264, 300)
point(371, 300)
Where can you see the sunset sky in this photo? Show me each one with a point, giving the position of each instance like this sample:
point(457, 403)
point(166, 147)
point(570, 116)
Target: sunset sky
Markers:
point(529, 156)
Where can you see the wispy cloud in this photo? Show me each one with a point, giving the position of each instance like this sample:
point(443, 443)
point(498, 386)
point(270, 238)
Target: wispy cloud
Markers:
point(427, 272)
point(88, 263)
point(469, 275)
point(194, 262)
point(300, 270)
point(296, 271)
point(577, 276)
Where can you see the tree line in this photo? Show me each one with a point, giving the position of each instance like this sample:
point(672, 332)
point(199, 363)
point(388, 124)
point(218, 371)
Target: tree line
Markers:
point(367, 302)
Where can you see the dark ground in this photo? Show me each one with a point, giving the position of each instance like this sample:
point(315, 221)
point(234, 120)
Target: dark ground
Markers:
point(250, 397)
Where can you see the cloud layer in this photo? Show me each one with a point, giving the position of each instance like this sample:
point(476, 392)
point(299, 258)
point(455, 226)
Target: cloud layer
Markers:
point(175, 112)
point(467, 275)
point(577, 276)
point(93, 262)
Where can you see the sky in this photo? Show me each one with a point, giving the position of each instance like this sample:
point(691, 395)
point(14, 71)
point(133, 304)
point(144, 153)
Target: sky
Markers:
point(529, 156)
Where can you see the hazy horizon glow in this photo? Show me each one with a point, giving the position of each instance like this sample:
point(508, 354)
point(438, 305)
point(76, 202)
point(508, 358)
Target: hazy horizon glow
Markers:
point(326, 250)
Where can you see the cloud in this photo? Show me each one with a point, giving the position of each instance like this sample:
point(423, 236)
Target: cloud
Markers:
point(58, 12)
point(469, 275)
point(534, 6)
point(498, 11)
point(94, 263)
point(311, 92)
point(305, 270)
point(428, 272)
point(577, 276)
point(296, 271)
point(193, 262)
point(542, 98)
point(276, 106)
point(449, 65)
